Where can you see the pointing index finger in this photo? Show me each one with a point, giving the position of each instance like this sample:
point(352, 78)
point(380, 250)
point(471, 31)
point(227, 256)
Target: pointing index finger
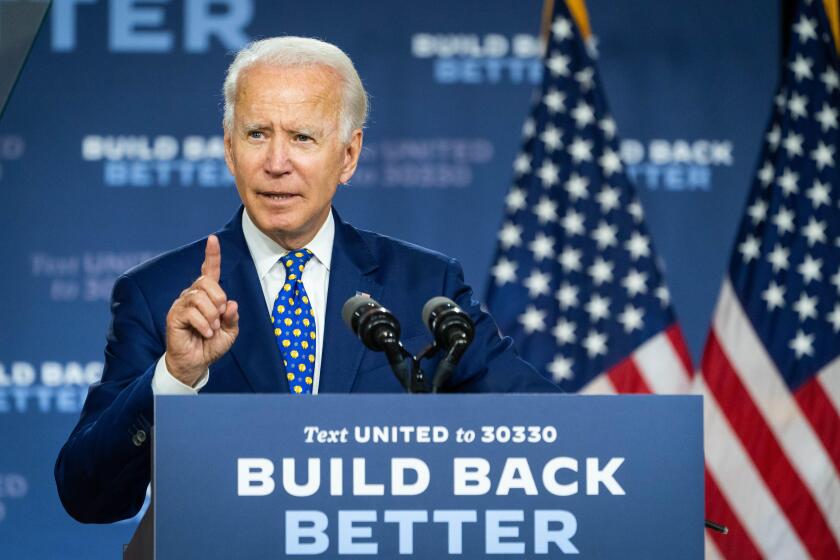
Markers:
point(212, 265)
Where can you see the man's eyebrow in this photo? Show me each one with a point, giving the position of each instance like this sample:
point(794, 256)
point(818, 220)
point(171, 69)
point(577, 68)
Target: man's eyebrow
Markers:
point(312, 130)
point(309, 130)
point(253, 125)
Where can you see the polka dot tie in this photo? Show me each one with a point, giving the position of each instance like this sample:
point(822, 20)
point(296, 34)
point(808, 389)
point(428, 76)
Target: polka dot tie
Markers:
point(294, 324)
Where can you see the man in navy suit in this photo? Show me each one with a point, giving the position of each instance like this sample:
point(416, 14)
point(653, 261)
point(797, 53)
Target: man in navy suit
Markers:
point(263, 315)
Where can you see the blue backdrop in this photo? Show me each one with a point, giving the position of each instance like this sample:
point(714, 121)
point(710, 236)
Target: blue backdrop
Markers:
point(110, 152)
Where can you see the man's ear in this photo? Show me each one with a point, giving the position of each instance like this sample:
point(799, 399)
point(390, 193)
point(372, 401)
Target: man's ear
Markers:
point(228, 139)
point(352, 151)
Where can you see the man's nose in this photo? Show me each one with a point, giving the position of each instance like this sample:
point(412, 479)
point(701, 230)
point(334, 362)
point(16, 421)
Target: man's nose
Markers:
point(277, 160)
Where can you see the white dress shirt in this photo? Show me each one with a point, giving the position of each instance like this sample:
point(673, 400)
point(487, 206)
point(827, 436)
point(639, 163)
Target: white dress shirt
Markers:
point(266, 255)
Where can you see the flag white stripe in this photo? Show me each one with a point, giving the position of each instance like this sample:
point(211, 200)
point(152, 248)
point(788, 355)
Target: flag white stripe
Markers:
point(712, 552)
point(744, 489)
point(601, 385)
point(782, 414)
point(829, 380)
point(658, 363)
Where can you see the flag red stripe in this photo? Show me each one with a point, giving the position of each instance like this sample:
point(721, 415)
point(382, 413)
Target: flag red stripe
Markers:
point(737, 543)
point(770, 460)
point(626, 378)
point(674, 334)
point(822, 415)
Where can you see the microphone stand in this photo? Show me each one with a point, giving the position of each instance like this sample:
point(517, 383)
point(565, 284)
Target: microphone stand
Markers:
point(447, 365)
point(405, 366)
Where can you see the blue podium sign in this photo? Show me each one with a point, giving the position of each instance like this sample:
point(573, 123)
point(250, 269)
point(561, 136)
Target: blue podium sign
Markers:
point(510, 476)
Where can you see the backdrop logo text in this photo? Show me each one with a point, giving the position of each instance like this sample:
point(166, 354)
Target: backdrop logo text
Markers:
point(468, 58)
point(149, 26)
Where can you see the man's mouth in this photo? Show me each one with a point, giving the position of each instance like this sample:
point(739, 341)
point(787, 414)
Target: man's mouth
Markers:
point(277, 196)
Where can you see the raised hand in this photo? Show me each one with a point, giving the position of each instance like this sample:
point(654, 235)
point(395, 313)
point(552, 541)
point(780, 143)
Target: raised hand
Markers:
point(202, 323)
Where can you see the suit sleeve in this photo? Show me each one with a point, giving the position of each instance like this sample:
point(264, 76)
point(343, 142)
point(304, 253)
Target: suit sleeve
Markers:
point(103, 470)
point(491, 364)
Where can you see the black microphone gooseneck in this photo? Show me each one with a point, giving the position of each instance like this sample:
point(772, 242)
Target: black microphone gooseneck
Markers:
point(453, 331)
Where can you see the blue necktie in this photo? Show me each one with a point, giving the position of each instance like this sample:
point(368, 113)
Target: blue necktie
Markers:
point(294, 324)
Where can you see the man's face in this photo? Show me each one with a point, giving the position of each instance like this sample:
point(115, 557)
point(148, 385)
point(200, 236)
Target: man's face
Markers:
point(284, 149)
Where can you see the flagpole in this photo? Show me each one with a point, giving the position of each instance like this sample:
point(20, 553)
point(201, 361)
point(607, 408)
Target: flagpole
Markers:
point(545, 24)
point(832, 10)
point(722, 529)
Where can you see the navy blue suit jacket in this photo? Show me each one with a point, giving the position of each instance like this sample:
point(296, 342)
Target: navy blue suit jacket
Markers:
point(103, 470)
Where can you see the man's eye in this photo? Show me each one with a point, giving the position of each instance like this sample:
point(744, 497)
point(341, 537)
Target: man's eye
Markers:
point(256, 134)
point(302, 138)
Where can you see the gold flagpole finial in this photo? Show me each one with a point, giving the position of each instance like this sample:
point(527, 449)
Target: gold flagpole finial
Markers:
point(579, 13)
point(832, 10)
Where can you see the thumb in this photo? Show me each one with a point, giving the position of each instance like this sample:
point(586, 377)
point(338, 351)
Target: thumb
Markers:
point(230, 318)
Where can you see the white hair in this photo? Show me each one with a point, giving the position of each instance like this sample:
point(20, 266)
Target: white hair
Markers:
point(302, 51)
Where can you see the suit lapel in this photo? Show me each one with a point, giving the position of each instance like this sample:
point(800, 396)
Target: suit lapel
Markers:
point(255, 349)
point(351, 270)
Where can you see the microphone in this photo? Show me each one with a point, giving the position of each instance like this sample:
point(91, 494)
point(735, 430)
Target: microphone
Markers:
point(452, 329)
point(375, 326)
point(379, 330)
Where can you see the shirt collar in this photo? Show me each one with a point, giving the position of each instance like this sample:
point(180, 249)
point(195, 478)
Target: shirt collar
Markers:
point(266, 252)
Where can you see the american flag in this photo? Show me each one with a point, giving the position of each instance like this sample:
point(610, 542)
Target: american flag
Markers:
point(770, 370)
point(575, 280)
